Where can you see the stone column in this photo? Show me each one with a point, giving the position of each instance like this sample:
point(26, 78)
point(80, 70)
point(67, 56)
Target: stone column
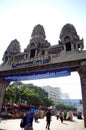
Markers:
point(72, 46)
point(3, 86)
point(64, 48)
point(82, 73)
point(36, 52)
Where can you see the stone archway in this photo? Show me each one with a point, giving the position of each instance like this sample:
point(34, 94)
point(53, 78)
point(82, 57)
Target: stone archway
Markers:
point(47, 58)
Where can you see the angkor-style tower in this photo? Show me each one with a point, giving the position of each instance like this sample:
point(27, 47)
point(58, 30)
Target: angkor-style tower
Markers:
point(38, 43)
point(69, 40)
point(12, 50)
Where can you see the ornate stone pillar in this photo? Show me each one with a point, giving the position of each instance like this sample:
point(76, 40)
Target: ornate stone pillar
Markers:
point(82, 73)
point(64, 48)
point(3, 86)
point(72, 46)
point(36, 52)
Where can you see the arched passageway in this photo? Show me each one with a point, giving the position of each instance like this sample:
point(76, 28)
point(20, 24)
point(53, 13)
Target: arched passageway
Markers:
point(41, 60)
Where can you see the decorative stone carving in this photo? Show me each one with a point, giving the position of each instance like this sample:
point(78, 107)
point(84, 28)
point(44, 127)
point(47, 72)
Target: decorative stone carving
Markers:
point(69, 40)
point(12, 50)
point(68, 29)
point(37, 42)
point(38, 32)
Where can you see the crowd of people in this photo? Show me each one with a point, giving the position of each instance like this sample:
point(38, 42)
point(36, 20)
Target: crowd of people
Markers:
point(33, 114)
point(27, 119)
point(65, 115)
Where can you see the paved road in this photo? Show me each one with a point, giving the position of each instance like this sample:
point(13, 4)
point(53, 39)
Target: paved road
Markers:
point(55, 124)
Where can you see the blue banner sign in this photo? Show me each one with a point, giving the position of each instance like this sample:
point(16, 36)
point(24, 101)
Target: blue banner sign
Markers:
point(38, 75)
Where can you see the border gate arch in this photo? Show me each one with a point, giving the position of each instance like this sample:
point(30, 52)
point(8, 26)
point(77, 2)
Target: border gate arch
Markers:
point(41, 59)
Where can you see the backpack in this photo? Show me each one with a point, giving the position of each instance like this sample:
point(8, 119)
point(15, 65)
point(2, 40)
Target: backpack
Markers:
point(23, 122)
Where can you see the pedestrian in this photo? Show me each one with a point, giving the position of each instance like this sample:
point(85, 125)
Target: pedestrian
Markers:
point(61, 116)
point(48, 119)
point(36, 116)
point(65, 114)
point(29, 120)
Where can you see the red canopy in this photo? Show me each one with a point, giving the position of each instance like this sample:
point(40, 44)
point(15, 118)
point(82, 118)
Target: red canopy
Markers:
point(16, 106)
point(6, 104)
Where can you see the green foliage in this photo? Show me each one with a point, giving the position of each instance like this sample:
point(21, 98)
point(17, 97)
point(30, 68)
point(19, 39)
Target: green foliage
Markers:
point(64, 107)
point(19, 93)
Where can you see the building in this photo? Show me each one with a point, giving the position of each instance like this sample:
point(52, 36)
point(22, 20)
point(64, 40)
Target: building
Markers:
point(54, 93)
point(77, 103)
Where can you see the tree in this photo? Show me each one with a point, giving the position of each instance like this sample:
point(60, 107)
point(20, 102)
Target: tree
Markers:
point(19, 93)
point(47, 102)
point(64, 107)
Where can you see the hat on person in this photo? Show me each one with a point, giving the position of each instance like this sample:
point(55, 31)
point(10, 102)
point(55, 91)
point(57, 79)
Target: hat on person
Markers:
point(32, 110)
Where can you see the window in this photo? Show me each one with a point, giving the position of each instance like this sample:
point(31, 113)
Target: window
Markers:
point(68, 46)
point(32, 54)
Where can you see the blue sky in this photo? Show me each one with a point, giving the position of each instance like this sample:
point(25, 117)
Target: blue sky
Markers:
point(18, 18)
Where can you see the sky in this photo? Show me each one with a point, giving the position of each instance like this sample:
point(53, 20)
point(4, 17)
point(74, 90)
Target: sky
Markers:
point(18, 18)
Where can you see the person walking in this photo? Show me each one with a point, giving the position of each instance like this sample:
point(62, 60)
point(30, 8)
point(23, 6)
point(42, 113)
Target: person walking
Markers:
point(29, 120)
point(48, 119)
point(61, 116)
